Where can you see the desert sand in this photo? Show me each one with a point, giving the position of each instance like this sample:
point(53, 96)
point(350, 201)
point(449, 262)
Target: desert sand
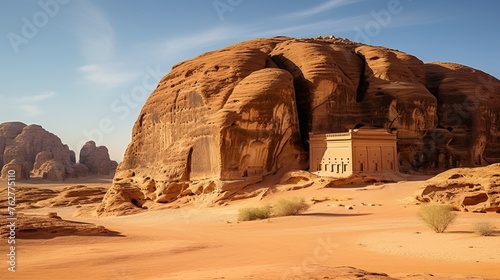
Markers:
point(380, 235)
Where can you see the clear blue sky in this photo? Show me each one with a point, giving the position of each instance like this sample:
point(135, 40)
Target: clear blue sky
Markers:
point(83, 68)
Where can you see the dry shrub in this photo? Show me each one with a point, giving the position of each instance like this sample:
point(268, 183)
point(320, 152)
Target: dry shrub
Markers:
point(437, 216)
point(283, 207)
point(484, 228)
point(289, 207)
point(254, 213)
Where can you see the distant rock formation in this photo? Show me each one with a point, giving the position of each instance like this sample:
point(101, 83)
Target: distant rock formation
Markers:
point(230, 117)
point(30, 150)
point(467, 189)
point(97, 159)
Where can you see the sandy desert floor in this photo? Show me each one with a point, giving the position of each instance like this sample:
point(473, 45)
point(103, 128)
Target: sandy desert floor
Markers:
point(208, 243)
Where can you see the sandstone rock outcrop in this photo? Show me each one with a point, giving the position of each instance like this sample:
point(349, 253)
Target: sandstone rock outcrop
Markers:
point(30, 150)
point(225, 119)
point(468, 189)
point(468, 132)
point(33, 149)
point(34, 197)
point(50, 226)
point(97, 159)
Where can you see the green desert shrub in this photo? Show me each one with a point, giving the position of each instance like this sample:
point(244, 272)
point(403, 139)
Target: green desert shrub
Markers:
point(437, 216)
point(484, 228)
point(289, 207)
point(254, 213)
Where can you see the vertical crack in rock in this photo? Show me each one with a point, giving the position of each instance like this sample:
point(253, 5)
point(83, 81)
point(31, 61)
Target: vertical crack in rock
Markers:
point(302, 96)
point(363, 83)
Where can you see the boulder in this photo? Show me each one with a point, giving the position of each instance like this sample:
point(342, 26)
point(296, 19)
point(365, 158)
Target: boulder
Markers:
point(467, 189)
point(230, 117)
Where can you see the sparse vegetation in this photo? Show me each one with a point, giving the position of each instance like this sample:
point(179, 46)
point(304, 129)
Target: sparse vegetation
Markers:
point(254, 213)
point(289, 207)
point(484, 228)
point(437, 216)
point(283, 207)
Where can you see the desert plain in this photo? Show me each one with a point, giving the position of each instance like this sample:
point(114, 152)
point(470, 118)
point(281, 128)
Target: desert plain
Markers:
point(352, 231)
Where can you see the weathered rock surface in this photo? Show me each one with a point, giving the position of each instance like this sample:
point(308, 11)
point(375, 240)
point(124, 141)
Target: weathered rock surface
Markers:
point(50, 226)
point(33, 151)
point(468, 189)
point(32, 197)
point(468, 131)
point(227, 117)
point(97, 159)
point(81, 170)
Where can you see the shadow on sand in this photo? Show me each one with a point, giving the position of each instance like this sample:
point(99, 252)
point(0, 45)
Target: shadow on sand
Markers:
point(321, 214)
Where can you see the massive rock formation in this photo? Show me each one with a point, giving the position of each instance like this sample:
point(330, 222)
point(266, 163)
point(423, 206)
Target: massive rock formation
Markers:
point(468, 189)
point(228, 118)
point(30, 150)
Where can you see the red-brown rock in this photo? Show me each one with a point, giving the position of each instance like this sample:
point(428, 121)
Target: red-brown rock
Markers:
point(96, 159)
point(29, 148)
point(468, 189)
point(230, 117)
point(33, 151)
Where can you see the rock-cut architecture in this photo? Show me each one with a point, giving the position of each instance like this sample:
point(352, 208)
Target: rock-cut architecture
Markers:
point(356, 151)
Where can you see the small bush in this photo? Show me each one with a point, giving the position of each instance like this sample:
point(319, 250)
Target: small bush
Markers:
point(289, 207)
point(484, 228)
point(254, 213)
point(437, 216)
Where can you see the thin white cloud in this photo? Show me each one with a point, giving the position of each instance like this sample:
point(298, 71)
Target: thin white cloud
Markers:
point(29, 105)
point(321, 8)
point(36, 98)
point(105, 76)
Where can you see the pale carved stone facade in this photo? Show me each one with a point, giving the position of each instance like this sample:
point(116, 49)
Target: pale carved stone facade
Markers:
point(355, 151)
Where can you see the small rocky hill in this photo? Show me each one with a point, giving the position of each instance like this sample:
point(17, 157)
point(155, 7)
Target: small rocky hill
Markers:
point(32, 151)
